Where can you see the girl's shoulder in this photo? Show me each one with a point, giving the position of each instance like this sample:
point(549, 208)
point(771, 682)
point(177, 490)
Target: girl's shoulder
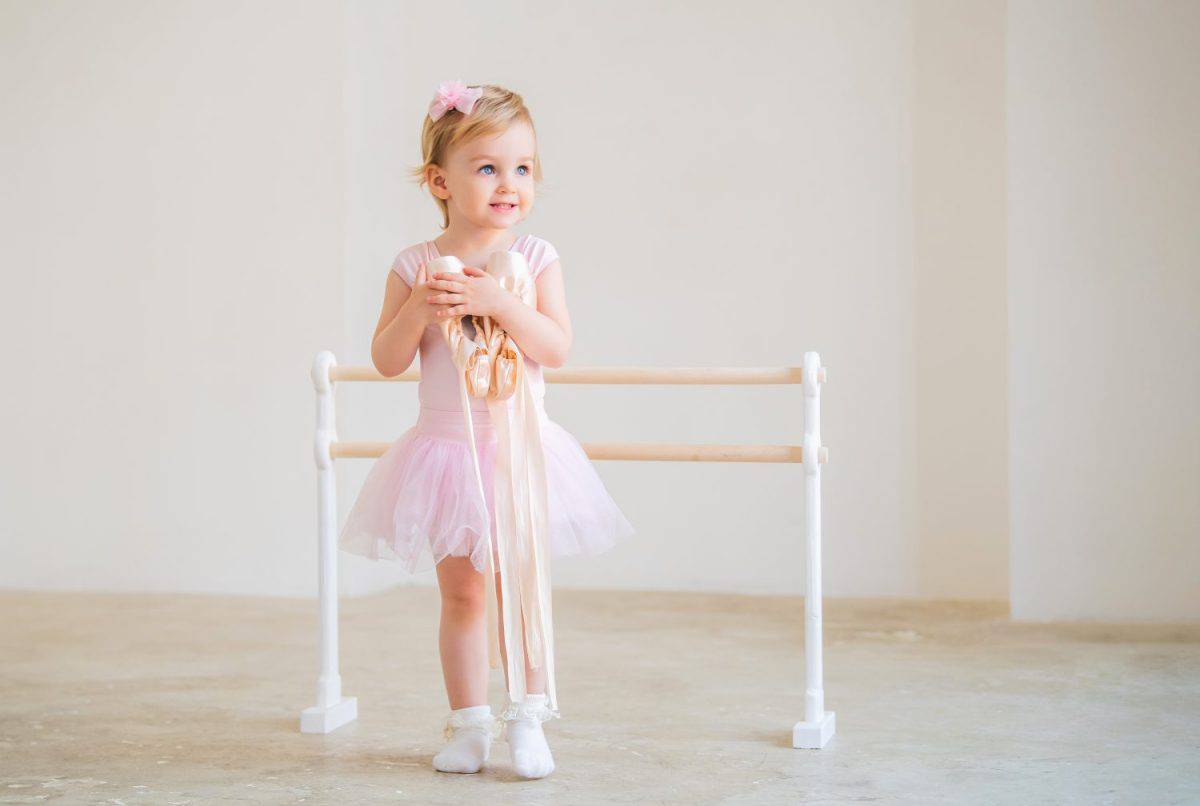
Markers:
point(409, 261)
point(538, 252)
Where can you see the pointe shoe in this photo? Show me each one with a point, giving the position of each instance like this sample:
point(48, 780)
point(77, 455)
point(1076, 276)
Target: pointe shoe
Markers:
point(478, 365)
point(505, 361)
point(512, 273)
point(486, 355)
point(506, 366)
point(464, 336)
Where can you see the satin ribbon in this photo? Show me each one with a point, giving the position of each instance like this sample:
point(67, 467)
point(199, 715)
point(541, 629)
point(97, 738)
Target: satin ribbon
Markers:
point(494, 368)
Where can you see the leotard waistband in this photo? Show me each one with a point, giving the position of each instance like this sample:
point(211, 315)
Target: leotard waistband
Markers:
point(450, 423)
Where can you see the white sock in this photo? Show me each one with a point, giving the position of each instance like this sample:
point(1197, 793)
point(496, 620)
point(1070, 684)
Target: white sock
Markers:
point(526, 741)
point(469, 734)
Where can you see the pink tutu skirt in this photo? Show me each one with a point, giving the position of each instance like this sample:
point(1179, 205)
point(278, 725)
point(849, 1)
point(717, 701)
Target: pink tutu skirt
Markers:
point(420, 501)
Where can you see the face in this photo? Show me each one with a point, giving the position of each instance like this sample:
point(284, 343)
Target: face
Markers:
point(489, 181)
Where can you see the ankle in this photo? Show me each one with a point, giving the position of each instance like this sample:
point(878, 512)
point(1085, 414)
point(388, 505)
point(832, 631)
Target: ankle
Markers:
point(472, 710)
point(535, 707)
point(471, 717)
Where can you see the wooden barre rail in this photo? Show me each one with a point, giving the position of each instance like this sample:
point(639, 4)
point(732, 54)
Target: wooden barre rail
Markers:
point(641, 451)
point(632, 375)
point(649, 451)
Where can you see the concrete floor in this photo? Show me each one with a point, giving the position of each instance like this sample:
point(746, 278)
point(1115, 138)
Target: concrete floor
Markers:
point(667, 698)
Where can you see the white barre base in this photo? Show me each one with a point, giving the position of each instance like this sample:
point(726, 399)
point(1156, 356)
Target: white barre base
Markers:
point(323, 720)
point(814, 735)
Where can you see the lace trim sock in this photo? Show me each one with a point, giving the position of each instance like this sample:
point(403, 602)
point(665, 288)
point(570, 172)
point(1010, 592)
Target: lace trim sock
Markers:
point(527, 744)
point(535, 706)
point(469, 732)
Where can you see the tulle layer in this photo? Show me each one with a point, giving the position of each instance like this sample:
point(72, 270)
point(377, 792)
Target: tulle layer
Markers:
point(420, 500)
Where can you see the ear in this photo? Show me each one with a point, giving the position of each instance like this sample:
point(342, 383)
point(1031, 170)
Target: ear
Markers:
point(437, 182)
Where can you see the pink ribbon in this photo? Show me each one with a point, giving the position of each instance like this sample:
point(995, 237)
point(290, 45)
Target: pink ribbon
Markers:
point(454, 95)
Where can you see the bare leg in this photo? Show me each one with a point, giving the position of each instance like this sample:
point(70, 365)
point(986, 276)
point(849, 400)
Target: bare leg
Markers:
point(535, 679)
point(462, 632)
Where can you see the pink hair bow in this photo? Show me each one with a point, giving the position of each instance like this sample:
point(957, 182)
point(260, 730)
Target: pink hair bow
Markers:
point(454, 95)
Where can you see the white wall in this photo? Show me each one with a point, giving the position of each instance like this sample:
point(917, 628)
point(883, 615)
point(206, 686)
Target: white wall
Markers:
point(171, 262)
point(202, 197)
point(960, 330)
point(1104, 295)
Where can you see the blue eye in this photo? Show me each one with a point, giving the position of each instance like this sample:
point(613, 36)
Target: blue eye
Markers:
point(524, 168)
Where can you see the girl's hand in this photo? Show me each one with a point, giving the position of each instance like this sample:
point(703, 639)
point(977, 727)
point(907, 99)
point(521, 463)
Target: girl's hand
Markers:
point(472, 292)
point(417, 299)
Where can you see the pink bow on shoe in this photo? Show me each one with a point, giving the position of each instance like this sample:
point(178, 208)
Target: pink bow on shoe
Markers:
point(454, 95)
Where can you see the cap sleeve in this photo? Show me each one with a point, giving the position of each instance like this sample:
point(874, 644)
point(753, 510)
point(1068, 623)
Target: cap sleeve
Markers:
point(407, 263)
point(541, 253)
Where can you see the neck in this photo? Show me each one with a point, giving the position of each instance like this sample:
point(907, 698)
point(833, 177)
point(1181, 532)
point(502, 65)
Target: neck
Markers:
point(467, 239)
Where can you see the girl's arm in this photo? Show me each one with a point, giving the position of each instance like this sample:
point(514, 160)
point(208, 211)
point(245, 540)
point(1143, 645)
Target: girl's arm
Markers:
point(401, 323)
point(545, 334)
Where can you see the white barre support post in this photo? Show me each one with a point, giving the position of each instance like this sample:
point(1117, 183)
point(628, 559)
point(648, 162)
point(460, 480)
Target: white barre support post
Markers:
point(818, 726)
point(332, 709)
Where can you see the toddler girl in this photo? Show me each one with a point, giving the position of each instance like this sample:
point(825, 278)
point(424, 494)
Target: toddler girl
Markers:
point(421, 499)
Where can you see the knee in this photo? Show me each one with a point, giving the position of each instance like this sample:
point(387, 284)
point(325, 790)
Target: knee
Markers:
point(463, 602)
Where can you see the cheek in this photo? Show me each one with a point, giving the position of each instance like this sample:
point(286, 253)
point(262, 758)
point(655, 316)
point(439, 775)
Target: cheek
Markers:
point(485, 187)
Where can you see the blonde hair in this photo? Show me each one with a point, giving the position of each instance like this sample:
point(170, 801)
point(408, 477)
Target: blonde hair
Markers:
point(496, 110)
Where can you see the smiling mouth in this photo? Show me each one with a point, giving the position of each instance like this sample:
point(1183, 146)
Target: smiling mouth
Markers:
point(503, 206)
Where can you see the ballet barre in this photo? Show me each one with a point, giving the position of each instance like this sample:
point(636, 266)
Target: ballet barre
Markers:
point(333, 709)
point(706, 376)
